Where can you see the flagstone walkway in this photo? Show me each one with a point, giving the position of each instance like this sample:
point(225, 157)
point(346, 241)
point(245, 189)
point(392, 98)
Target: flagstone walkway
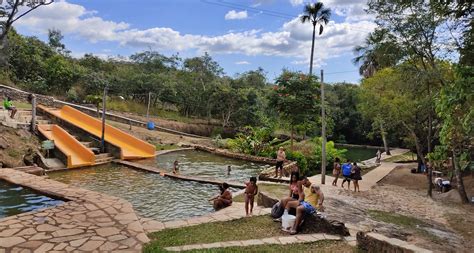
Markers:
point(89, 221)
point(236, 211)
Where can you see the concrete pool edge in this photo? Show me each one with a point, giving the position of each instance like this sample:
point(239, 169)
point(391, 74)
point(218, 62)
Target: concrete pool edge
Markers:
point(88, 221)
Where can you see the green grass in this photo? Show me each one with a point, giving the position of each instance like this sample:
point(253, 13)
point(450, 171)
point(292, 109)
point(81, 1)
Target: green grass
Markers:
point(319, 247)
point(407, 157)
point(22, 105)
point(166, 146)
point(140, 109)
point(240, 229)
point(13, 153)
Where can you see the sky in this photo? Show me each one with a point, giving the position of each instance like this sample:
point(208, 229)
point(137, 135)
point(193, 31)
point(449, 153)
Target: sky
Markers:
point(240, 35)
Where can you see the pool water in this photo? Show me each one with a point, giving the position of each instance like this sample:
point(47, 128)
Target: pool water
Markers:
point(204, 164)
point(360, 154)
point(151, 195)
point(15, 199)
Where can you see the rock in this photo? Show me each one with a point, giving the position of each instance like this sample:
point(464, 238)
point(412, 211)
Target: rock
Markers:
point(3, 143)
point(315, 224)
point(264, 200)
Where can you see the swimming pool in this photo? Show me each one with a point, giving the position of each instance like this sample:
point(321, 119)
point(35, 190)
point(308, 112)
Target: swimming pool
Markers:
point(205, 164)
point(151, 195)
point(359, 154)
point(15, 199)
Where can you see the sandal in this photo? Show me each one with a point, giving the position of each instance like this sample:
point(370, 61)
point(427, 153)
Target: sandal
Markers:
point(293, 232)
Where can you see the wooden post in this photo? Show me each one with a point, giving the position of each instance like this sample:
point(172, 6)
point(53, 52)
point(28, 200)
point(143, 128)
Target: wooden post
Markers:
point(102, 139)
point(33, 113)
point(323, 132)
point(148, 107)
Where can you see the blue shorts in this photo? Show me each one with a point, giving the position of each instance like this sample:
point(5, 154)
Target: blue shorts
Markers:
point(308, 208)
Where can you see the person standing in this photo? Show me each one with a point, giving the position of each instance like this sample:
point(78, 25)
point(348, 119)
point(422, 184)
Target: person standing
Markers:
point(251, 190)
point(336, 171)
point(281, 157)
point(7, 103)
point(356, 176)
point(346, 174)
point(378, 156)
point(176, 167)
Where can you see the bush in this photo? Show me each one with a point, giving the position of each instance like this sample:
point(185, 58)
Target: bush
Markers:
point(331, 153)
point(300, 159)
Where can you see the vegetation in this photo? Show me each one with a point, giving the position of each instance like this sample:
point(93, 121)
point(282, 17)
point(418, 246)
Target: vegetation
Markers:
point(317, 247)
point(240, 229)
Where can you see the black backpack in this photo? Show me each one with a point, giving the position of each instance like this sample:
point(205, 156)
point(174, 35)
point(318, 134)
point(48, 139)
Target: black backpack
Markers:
point(277, 210)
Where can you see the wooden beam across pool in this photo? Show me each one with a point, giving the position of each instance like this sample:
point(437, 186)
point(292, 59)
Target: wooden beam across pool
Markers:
point(156, 170)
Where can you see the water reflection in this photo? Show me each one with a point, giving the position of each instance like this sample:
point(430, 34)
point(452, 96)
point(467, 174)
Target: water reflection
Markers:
point(151, 195)
point(15, 199)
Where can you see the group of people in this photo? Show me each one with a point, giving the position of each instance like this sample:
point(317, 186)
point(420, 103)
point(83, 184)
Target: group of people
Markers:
point(349, 171)
point(306, 198)
point(224, 199)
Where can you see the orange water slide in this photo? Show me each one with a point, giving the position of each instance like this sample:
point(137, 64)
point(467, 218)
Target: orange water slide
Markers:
point(77, 154)
point(130, 146)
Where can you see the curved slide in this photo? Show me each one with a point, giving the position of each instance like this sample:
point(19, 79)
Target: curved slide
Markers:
point(130, 146)
point(77, 154)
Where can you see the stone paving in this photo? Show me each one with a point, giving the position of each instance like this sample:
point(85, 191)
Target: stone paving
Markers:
point(282, 240)
point(236, 211)
point(88, 222)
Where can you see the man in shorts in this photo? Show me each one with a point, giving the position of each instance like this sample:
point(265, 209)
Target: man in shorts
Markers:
point(312, 201)
point(7, 104)
point(281, 157)
point(346, 174)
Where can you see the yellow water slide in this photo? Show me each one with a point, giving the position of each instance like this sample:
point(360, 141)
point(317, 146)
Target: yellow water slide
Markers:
point(77, 154)
point(130, 146)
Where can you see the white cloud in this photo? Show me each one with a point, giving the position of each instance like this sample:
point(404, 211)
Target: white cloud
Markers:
point(296, 2)
point(292, 40)
point(236, 15)
point(242, 63)
point(352, 10)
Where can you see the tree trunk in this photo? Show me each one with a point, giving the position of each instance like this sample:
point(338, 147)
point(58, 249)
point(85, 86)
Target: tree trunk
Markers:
point(430, 120)
point(460, 182)
point(292, 136)
point(312, 51)
point(419, 152)
point(384, 139)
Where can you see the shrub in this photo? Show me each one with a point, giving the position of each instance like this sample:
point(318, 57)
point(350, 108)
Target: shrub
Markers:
point(331, 153)
point(300, 159)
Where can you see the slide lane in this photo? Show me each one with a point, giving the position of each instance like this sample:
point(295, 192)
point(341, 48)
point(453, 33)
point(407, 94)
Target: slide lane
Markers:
point(130, 146)
point(77, 154)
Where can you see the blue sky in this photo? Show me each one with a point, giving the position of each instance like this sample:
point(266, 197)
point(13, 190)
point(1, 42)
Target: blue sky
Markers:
point(239, 35)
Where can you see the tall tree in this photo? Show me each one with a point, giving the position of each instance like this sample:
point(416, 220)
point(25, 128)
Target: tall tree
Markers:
point(295, 99)
point(9, 13)
point(315, 14)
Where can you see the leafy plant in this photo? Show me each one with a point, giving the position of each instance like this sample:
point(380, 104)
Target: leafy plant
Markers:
point(331, 153)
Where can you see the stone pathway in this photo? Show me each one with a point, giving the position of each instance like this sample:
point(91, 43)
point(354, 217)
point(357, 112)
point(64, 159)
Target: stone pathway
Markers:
point(89, 221)
point(236, 211)
point(282, 240)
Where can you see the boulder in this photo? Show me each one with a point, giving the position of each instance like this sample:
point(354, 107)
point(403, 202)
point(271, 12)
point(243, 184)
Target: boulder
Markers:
point(264, 200)
point(317, 224)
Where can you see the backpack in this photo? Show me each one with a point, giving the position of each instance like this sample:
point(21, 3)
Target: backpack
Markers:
point(346, 169)
point(277, 210)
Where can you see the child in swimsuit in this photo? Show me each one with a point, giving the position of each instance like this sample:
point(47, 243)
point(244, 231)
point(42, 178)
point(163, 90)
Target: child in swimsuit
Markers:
point(251, 190)
point(175, 167)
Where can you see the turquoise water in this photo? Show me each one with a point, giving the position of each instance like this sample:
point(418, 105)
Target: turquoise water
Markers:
point(360, 154)
point(151, 195)
point(15, 199)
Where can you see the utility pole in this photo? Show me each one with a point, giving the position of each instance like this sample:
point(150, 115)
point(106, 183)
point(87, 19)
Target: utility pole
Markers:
point(323, 132)
point(148, 108)
point(33, 113)
point(102, 138)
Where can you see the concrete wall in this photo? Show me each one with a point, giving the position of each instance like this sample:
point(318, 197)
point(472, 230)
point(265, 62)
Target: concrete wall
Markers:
point(373, 242)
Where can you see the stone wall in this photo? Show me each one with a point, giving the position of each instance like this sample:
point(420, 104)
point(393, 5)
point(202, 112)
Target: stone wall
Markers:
point(226, 153)
point(19, 95)
point(373, 242)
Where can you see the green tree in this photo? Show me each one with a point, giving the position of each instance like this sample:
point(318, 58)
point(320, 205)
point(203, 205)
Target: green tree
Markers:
point(315, 14)
point(295, 99)
point(455, 106)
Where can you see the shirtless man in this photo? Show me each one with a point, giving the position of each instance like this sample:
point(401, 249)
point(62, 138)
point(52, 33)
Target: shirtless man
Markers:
point(281, 157)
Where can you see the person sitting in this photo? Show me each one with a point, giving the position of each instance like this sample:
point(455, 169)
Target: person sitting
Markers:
point(224, 199)
point(299, 188)
point(294, 178)
point(313, 201)
point(7, 104)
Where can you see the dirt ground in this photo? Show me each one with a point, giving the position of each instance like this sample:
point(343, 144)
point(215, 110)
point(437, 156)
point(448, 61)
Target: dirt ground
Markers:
point(444, 226)
point(17, 147)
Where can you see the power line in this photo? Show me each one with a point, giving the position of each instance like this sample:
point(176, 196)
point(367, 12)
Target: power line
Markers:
point(267, 12)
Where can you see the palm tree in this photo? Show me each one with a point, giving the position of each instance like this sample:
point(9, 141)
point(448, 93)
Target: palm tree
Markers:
point(316, 14)
point(378, 51)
